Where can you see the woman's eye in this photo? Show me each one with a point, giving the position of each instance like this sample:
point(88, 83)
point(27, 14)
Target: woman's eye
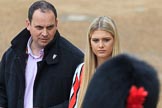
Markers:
point(106, 40)
point(95, 40)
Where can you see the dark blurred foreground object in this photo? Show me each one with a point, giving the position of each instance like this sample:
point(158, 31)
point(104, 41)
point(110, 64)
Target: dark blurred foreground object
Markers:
point(123, 82)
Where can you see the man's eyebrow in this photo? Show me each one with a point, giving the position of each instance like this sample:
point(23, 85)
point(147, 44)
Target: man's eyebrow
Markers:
point(51, 25)
point(38, 26)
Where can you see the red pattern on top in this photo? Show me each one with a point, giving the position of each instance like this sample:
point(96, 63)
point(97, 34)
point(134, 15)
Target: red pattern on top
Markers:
point(76, 87)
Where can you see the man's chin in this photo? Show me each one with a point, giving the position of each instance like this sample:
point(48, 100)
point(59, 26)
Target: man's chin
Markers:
point(42, 45)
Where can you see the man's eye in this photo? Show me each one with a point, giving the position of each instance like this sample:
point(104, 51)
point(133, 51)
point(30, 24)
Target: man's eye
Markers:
point(39, 27)
point(50, 27)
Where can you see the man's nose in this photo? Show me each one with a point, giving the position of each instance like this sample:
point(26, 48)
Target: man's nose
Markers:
point(44, 32)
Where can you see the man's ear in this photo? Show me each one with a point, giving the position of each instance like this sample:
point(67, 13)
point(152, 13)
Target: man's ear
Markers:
point(56, 23)
point(28, 24)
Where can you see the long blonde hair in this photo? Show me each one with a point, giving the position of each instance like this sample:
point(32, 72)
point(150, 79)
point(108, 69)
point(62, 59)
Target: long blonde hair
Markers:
point(99, 23)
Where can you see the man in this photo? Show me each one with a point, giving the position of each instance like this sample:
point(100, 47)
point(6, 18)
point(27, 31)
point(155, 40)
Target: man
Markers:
point(37, 70)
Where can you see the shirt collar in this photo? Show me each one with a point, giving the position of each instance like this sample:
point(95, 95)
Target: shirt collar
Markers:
point(29, 51)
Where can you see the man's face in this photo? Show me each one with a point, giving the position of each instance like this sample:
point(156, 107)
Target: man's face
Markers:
point(42, 28)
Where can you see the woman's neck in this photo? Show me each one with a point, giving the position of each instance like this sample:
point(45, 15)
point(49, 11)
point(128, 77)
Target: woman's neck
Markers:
point(100, 61)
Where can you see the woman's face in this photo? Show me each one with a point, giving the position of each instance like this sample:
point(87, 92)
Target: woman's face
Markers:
point(102, 44)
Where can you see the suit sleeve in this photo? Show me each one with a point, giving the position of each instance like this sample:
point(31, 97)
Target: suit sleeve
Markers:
point(3, 95)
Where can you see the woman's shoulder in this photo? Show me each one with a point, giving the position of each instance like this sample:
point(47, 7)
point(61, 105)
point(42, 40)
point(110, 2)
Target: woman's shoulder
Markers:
point(80, 65)
point(78, 70)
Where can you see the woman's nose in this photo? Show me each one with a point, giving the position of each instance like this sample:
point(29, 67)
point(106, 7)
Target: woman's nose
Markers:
point(101, 45)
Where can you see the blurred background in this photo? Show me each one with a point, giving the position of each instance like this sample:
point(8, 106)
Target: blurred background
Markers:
point(138, 21)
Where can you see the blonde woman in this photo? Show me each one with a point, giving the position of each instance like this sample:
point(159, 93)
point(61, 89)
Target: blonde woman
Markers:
point(102, 44)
